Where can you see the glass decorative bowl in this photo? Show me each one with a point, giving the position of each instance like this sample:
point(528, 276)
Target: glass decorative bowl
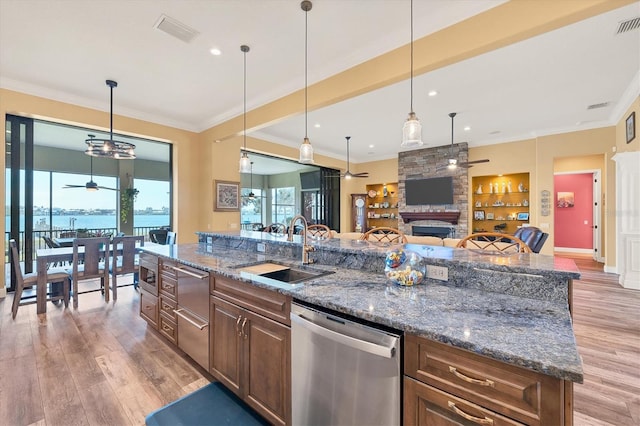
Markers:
point(404, 267)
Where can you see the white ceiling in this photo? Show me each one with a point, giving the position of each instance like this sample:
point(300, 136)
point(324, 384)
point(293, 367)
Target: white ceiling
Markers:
point(65, 50)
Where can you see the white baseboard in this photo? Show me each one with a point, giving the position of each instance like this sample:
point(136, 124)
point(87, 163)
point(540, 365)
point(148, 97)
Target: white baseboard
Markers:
point(611, 269)
point(573, 250)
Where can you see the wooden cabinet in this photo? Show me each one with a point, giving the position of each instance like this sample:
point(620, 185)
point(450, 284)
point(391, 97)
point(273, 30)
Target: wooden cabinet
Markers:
point(250, 346)
point(382, 205)
point(149, 308)
point(445, 385)
point(148, 272)
point(500, 201)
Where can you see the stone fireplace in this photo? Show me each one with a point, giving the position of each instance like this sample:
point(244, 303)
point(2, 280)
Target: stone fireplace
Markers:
point(451, 219)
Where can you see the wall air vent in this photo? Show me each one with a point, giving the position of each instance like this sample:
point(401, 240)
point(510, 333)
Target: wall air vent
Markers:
point(175, 28)
point(600, 105)
point(628, 25)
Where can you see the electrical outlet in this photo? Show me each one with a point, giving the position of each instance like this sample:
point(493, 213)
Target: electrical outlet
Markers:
point(262, 247)
point(438, 272)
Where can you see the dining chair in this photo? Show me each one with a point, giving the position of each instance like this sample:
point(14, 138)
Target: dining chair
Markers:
point(124, 260)
point(48, 241)
point(31, 279)
point(158, 236)
point(276, 228)
point(532, 236)
point(494, 241)
point(171, 238)
point(319, 232)
point(90, 263)
point(383, 234)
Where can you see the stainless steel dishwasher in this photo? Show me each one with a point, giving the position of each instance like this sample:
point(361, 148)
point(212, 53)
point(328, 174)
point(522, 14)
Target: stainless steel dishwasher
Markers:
point(342, 372)
point(193, 313)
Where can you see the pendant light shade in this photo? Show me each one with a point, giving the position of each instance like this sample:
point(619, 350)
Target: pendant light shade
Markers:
point(245, 163)
point(412, 129)
point(108, 148)
point(306, 150)
point(252, 196)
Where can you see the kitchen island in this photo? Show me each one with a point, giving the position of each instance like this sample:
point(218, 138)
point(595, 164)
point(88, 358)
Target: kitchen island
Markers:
point(512, 310)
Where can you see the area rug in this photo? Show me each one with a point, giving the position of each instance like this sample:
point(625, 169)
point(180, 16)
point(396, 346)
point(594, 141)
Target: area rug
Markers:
point(211, 405)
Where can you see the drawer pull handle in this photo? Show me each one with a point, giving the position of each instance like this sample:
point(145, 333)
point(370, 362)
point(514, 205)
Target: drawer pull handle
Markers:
point(148, 307)
point(188, 272)
point(166, 327)
point(243, 324)
point(485, 382)
point(478, 420)
point(238, 326)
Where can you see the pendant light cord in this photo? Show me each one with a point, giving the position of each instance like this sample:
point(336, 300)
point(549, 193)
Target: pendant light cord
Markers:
point(244, 117)
point(411, 97)
point(306, 25)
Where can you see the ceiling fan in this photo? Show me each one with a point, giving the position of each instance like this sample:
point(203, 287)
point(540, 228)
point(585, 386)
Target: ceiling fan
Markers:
point(348, 174)
point(91, 185)
point(452, 162)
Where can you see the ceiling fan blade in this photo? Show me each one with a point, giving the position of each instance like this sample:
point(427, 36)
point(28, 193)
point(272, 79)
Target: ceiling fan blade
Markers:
point(484, 160)
point(360, 175)
point(110, 189)
point(72, 186)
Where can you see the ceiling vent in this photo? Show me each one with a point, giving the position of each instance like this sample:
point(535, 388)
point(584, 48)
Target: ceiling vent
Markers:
point(600, 105)
point(176, 28)
point(628, 25)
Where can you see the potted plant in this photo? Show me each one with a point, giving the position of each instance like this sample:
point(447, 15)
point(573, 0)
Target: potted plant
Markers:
point(127, 198)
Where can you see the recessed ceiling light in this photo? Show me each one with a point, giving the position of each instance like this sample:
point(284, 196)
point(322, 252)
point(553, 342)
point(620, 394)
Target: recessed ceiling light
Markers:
point(467, 128)
point(372, 146)
point(317, 125)
point(215, 52)
point(432, 92)
point(495, 132)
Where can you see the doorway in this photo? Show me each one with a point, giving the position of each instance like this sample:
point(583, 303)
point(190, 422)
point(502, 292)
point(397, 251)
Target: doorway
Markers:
point(577, 212)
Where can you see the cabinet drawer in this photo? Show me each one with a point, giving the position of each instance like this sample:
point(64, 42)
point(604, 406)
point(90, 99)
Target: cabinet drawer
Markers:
point(168, 328)
point(518, 393)
point(168, 286)
point(149, 261)
point(167, 306)
point(426, 405)
point(149, 308)
point(265, 302)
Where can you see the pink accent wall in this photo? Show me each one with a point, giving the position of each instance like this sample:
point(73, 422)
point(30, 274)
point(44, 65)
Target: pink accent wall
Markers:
point(570, 227)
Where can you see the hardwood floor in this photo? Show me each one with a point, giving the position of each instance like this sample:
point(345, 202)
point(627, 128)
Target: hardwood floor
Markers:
point(99, 365)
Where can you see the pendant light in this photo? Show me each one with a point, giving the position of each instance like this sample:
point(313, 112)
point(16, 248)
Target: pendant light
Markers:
point(252, 196)
point(245, 164)
point(452, 162)
point(412, 129)
point(108, 148)
point(306, 150)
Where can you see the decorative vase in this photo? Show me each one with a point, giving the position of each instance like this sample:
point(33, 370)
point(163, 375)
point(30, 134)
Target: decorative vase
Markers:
point(479, 190)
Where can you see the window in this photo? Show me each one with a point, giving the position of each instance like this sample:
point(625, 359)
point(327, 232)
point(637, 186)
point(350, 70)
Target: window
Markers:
point(283, 204)
point(251, 209)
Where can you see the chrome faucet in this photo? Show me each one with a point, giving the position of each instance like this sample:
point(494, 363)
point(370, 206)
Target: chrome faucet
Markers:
point(305, 247)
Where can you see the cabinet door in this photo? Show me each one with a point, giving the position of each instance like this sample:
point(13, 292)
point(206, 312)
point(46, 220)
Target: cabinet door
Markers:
point(225, 344)
point(428, 406)
point(267, 368)
point(149, 308)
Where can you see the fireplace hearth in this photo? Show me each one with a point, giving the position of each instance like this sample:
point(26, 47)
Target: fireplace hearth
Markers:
point(433, 231)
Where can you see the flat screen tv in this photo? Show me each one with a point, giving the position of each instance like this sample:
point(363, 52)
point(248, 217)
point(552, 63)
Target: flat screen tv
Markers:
point(437, 190)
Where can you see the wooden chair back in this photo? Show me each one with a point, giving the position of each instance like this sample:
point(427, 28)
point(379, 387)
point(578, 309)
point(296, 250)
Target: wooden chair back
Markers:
point(494, 241)
point(124, 259)
point(32, 280)
point(276, 228)
point(385, 234)
point(158, 236)
point(319, 232)
point(93, 262)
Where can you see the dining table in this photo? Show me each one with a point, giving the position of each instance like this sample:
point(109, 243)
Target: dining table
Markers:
point(48, 256)
point(64, 242)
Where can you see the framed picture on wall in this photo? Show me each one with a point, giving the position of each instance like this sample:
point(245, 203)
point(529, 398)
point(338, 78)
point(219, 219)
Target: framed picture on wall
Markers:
point(565, 199)
point(523, 216)
point(478, 215)
point(226, 196)
point(631, 127)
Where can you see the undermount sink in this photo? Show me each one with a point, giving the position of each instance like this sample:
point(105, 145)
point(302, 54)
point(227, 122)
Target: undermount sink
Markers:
point(279, 275)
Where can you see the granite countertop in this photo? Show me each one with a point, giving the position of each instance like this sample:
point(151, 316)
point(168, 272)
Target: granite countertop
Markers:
point(530, 333)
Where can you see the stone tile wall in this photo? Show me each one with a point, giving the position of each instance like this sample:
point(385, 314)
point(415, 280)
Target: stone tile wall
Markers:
point(423, 163)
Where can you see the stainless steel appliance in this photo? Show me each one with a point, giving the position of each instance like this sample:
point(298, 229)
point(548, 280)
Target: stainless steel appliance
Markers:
point(193, 313)
point(342, 372)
